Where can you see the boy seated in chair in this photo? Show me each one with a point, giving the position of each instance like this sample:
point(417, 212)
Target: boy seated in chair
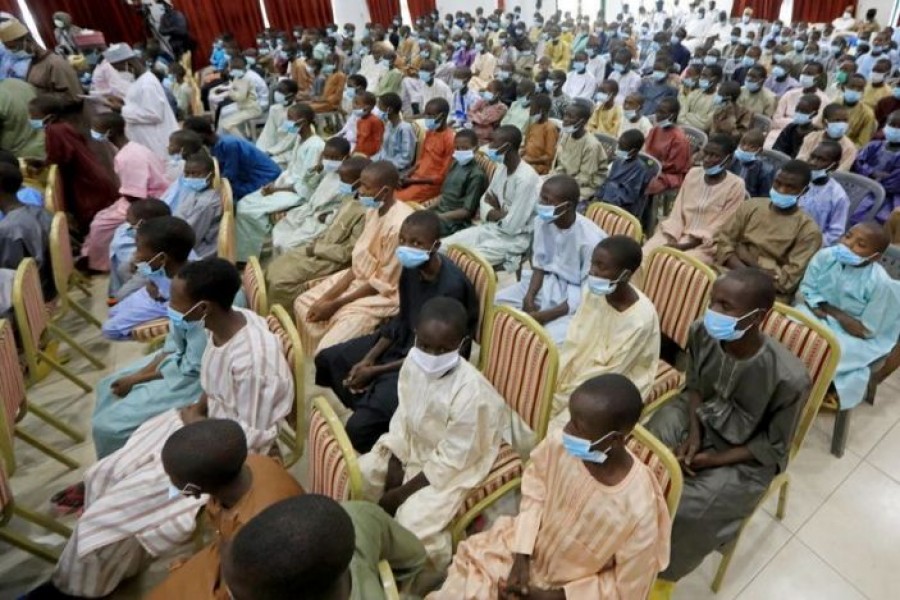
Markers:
point(731, 427)
point(593, 521)
point(438, 451)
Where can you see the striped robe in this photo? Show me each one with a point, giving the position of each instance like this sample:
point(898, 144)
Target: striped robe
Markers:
point(373, 263)
point(128, 514)
point(592, 540)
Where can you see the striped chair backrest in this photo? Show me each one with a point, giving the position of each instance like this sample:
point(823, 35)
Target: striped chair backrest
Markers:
point(522, 364)
point(484, 280)
point(226, 197)
point(816, 347)
point(679, 286)
point(254, 285)
point(61, 252)
point(661, 462)
point(614, 220)
point(227, 245)
point(28, 300)
point(487, 164)
point(12, 380)
point(280, 323)
point(54, 201)
point(333, 469)
point(507, 467)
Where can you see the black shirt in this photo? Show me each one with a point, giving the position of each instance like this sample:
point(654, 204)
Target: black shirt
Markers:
point(415, 291)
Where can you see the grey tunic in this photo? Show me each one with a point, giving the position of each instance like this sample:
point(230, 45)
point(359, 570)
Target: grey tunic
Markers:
point(753, 403)
point(25, 233)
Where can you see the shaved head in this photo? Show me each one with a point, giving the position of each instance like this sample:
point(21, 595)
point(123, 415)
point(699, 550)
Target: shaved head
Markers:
point(606, 403)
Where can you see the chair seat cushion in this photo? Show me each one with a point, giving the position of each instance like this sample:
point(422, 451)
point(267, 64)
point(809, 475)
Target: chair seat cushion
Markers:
point(668, 378)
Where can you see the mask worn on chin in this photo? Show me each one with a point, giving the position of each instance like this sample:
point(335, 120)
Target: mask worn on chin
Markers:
point(179, 322)
point(580, 448)
point(844, 255)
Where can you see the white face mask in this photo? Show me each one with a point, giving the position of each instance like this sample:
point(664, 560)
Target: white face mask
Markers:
point(434, 366)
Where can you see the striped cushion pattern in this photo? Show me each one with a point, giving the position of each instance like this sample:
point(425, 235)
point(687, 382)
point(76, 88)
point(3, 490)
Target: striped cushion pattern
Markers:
point(680, 293)
point(668, 378)
point(517, 366)
point(12, 381)
point(149, 331)
point(328, 471)
point(802, 341)
point(251, 285)
point(35, 307)
point(287, 347)
point(479, 278)
point(652, 460)
point(487, 164)
point(610, 222)
point(507, 467)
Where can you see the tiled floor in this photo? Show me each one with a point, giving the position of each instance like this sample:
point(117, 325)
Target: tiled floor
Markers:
point(839, 540)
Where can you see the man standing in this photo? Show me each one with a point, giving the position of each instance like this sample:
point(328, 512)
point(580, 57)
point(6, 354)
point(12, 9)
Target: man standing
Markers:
point(149, 119)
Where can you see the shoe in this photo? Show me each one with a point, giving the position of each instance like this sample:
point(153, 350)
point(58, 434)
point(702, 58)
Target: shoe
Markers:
point(69, 501)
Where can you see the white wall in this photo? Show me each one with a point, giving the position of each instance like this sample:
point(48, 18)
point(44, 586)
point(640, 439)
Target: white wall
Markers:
point(355, 12)
point(884, 8)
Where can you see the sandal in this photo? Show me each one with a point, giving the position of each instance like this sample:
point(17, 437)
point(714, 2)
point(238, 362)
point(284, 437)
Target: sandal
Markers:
point(69, 500)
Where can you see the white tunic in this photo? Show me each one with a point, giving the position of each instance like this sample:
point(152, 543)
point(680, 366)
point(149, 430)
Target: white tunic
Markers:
point(302, 224)
point(448, 428)
point(504, 242)
point(149, 119)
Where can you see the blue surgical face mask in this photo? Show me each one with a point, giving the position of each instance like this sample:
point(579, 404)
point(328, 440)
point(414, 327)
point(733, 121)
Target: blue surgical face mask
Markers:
point(432, 124)
point(744, 156)
point(630, 114)
point(807, 81)
point(579, 66)
point(836, 130)
point(602, 286)
point(659, 76)
point(290, 127)
point(178, 319)
point(618, 67)
point(100, 137)
point(157, 276)
point(704, 83)
point(36, 123)
point(463, 157)
point(844, 255)
point(783, 201)
point(778, 71)
point(350, 93)
point(817, 174)
point(412, 258)
point(753, 86)
point(724, 327)
point(425, 76)
point(581, 449)
point(896, 92)
point(748, 61)
point(892, 134)
point(370, 201)
point(345, 189)
point(622, 154)
point(852, 97)
point(547, 213)
point(487, 96)
point(802, 118)
point(359, 112)
point(710, 60)
point(718, 100)
point(196, 184)
point(494, 154)
point(666, 123)
point(715, 169)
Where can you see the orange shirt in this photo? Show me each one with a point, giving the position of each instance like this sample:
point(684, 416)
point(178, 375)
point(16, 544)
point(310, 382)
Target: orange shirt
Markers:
point(369, 134)
point(437, 154)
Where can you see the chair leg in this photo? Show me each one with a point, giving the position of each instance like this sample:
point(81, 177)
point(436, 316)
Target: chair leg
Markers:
point(67, 373)
point(840, 433)
point(727, 555)
point(782, 499)
point(27, 545)
point(48, 523)
point(41, 413)
point(84, 314)
point(48, 450)
point(76, 346)
point(82, 283)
